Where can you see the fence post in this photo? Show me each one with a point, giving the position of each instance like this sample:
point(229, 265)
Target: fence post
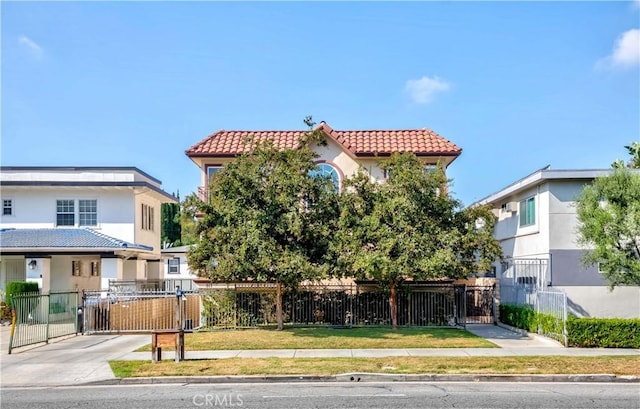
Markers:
point(564, 320)
point(409, 308)
point(538, 312)
point(495, 305)
point(13, 328)
point(48, 311)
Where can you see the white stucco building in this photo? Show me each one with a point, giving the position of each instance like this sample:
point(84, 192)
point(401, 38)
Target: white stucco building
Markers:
point(537, 229)
point(78, 227)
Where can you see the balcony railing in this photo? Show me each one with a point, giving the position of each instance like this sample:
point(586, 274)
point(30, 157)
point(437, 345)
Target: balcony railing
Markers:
point(203, 193)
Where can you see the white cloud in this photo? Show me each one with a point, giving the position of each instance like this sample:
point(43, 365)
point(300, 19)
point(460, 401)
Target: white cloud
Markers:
point(31, 45)
point(626, 51)
point(423, 90)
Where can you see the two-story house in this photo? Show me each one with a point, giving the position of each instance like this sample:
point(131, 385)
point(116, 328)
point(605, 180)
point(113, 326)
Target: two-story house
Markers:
point(537, 228)
point(79, 227)
point(344, 153)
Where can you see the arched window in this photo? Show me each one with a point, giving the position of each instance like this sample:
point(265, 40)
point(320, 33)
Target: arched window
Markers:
point(327, 171)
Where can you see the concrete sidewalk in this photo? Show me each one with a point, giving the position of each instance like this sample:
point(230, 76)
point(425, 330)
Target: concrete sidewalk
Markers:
point(84, 359)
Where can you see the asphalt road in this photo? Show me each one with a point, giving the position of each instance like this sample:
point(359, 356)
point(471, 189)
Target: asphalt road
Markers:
point(329, 395)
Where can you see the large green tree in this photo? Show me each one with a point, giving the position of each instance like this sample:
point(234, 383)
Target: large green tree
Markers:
point(609, 222)
point(409, 227)
point(268, 219)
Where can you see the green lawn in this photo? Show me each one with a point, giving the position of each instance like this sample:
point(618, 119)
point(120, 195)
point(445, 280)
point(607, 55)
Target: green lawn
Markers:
point(332, 338)
point(618, 365)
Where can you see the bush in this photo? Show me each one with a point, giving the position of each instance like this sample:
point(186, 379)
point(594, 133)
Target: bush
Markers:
point(19, 287)
point(519, 316)
point(526, 318)
point(603, 332)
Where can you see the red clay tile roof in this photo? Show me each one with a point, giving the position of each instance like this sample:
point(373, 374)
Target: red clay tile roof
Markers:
point(422, 142)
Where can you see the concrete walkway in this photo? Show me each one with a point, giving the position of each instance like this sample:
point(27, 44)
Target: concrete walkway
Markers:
point(84, 359)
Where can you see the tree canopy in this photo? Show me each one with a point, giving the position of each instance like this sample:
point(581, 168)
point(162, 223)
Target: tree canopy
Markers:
point(268, 219)
point(410, 228)
point(609, 222)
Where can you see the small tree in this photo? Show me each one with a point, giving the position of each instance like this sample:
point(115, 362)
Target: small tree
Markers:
point(267, 220)
point(609, 222)
point(188, 217)
point(170, 219)
point(410, 228)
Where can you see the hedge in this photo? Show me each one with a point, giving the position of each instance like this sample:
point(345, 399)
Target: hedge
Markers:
point(519, 316)
point(603, 332)
point(581, 332)
point(19, 287)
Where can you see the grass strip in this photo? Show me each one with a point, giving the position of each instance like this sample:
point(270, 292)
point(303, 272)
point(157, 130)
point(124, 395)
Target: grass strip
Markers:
point(617, 365)
point(331, 338)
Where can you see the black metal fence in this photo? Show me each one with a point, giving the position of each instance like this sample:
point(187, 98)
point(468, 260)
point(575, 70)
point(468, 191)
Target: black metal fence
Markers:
point(424, 305)
point(245, 305)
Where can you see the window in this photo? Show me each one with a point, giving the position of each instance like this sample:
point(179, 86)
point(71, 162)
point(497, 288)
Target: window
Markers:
point(88, 212)
point(7, 207)
point(527, 280)
point(95, 268)
point(327, 171)
point(76, 268)
point(212, 170)
point(147, 217)
point(174, 266)
point(65, 213)
point(528, 211)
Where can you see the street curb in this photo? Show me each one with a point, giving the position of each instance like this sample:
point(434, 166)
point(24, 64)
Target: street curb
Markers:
point(368, 377)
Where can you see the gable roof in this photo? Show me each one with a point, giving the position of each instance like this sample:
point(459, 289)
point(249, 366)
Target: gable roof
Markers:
point(63, 239)
point(422, 142)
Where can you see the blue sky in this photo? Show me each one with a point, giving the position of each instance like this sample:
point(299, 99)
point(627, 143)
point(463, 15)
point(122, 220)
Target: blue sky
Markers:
point(517, 85)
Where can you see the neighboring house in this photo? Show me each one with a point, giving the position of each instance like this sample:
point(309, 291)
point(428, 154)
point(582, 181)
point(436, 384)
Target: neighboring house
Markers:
point(344, 153)
point(79, 227)
point(537, 228)
point(175, 263)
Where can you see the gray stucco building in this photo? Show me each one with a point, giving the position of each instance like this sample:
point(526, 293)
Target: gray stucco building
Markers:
point(537, 228)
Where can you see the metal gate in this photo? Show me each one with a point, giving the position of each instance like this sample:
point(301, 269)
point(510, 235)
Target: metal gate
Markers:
point(140, 311)
point(41, 317)
point(476, 304)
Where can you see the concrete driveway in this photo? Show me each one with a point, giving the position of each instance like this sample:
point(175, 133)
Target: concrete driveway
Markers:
point(66, 361)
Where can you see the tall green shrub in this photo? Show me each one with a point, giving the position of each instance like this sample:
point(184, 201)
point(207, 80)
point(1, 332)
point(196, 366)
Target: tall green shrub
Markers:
point(19, 287)
point(522, 317)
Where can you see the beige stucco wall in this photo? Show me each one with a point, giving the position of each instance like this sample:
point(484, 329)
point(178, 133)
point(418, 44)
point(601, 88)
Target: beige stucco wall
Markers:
point(143, 236)
point(61, 279)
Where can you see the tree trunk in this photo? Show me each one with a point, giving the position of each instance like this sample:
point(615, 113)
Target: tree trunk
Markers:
point(393, 305)
point(279, 305)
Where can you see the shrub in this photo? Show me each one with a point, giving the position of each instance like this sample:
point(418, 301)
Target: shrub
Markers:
point(19, 287)
point(603, 332)
point(522, 317)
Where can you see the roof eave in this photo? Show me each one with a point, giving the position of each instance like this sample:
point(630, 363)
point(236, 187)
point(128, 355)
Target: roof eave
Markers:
point(15, 250)
point(539, 176)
